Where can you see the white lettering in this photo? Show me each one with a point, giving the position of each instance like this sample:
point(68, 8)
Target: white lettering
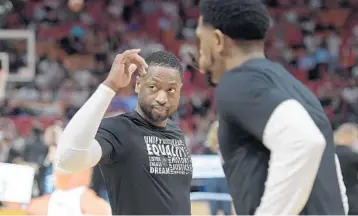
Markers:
point(149, 148)
point(155, 150)
point(162, 149)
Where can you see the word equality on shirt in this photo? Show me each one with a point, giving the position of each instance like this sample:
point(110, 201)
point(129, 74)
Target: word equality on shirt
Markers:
point(167, 156)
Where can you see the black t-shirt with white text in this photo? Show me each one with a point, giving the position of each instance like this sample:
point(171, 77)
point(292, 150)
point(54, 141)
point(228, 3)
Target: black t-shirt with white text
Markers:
point(147, 169)
point(245, 98)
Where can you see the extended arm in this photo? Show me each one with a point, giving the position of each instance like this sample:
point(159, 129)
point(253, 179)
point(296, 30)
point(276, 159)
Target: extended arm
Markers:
point(77, 148)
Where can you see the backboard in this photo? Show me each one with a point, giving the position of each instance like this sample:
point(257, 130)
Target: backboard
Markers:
point(20, 46)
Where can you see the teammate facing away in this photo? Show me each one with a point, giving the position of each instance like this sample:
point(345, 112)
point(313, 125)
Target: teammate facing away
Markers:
point(142, 154)
point(72, 196)
point(275, 139)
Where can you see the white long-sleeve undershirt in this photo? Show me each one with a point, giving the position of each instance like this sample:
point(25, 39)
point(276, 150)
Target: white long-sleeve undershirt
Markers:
point(77, 149)
point(296, 146)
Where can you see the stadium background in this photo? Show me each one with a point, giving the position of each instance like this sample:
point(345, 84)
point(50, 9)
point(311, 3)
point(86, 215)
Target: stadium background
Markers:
point(57, 53)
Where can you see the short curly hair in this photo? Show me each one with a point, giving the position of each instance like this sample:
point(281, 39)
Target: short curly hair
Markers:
point(165, 59)
point(238, 19)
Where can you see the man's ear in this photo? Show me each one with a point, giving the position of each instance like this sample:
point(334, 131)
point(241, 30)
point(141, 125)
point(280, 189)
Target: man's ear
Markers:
point(219, 41)
point(137, 85)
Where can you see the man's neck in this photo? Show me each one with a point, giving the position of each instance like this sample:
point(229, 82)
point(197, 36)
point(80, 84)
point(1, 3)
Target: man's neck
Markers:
point(141, 113)
point(237, 59)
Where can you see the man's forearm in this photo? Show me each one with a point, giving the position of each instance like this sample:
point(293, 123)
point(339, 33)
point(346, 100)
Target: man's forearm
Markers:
point(77, 148)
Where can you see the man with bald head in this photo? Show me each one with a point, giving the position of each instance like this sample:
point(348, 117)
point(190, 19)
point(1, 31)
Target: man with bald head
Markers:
point(72, 196)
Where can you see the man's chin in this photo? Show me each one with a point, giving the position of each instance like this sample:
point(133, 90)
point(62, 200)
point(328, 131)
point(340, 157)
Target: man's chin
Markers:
point(158, 118)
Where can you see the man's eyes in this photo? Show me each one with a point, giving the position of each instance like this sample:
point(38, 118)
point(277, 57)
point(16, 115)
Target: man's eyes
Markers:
point(172, 90)
point(153, 88)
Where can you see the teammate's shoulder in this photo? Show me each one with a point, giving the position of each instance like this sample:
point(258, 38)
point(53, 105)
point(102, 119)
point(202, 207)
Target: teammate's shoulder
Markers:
point(38, 206)
point(244, 79)
point(244, 72)
point(89, 193)
point(258, 67)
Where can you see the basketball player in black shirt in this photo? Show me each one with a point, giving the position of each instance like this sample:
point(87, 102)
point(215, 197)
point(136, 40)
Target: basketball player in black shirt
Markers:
point(275, 139)
point(142, 154)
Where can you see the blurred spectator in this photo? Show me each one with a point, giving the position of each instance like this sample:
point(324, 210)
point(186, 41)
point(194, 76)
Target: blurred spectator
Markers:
point(345, 137)
point(216, 185)
point(35, 153)
point(35, 149)
point(51, 137)
point(7, 153)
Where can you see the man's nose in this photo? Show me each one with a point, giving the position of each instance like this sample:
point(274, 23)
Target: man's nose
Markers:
point(162, 98)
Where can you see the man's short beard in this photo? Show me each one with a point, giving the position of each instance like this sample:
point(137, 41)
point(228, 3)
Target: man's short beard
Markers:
point(149, 114)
